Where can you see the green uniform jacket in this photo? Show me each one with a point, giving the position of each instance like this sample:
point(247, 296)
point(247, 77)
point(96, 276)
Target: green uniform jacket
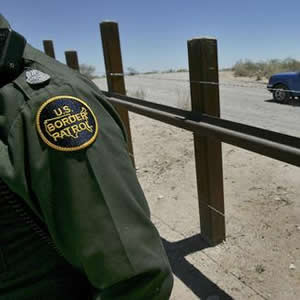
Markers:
point(89, 199)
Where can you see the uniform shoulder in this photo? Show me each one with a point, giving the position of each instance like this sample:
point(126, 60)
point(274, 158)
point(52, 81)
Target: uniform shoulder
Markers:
point(42, 73)
point(63, 99)
point(35, 58)
point(39, 67)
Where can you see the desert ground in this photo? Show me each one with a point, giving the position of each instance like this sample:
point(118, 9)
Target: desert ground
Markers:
point(260, 258)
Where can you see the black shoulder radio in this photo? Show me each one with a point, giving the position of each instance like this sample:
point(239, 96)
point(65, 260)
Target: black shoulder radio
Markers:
point(12, 46)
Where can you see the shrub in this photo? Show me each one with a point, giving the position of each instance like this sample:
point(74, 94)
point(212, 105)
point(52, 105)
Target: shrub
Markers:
point(151, 72)
point(139, 93)
point(88, 71)
point(132, 71)
point(265, 68)
point(183, 98)
point(168, 71)
point(182, 70)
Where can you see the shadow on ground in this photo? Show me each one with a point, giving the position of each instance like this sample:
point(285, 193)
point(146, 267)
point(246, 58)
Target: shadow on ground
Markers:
point(198, 283)
point(291, 102)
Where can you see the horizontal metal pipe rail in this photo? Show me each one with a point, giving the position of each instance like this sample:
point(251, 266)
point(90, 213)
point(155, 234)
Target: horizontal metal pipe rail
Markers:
point(266, 142)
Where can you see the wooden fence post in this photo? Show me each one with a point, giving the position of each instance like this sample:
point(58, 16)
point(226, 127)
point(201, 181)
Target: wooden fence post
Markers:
point(49, 48)
point(113, 65)
point(203, 66)
point(72, 59)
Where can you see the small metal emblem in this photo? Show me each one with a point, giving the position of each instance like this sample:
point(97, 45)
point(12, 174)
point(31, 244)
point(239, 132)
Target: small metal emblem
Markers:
point(36, 77)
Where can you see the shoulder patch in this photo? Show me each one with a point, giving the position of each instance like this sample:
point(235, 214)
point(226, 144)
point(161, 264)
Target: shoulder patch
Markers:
point(66, 123)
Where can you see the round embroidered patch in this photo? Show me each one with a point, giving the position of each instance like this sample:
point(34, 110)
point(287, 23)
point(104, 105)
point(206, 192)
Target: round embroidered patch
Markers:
point(66, 123)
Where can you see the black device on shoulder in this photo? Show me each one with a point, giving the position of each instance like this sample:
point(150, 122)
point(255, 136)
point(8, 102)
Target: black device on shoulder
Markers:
point(12, 46)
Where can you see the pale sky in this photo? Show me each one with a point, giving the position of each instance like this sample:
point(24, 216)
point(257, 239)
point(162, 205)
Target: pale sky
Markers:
point(154, 33)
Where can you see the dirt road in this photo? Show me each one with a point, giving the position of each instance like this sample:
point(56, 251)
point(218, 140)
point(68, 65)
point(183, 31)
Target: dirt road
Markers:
point(246, 101)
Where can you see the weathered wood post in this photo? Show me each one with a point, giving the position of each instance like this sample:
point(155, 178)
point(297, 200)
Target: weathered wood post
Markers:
point(203, 68)
point(49, 48)
point(72, 59)
point(114, 70)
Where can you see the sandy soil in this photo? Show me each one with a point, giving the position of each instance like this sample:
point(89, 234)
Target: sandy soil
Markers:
point(260, 258)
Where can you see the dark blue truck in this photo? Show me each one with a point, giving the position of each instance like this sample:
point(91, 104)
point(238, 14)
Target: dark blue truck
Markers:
point(284, 86)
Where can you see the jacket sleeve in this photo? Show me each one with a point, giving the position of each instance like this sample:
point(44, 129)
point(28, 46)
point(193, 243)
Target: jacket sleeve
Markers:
point(97, 214)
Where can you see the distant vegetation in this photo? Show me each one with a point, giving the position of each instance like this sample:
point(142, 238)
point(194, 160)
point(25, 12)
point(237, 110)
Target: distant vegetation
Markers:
point(132, 71)
point(244, 68)
point(175, 70)
point(264, 69)
point(139, 93)
point(89, 71)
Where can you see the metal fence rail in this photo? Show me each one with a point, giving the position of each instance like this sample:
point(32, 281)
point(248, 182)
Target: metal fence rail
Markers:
point(266, 142)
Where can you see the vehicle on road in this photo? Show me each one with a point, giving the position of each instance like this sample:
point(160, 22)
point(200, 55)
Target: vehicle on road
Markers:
point(284, 86)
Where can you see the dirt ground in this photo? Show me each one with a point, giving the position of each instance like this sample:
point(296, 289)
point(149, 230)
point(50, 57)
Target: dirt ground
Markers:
point(260, 258)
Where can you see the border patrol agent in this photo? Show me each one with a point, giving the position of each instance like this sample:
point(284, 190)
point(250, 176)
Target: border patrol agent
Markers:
point(74, 222)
